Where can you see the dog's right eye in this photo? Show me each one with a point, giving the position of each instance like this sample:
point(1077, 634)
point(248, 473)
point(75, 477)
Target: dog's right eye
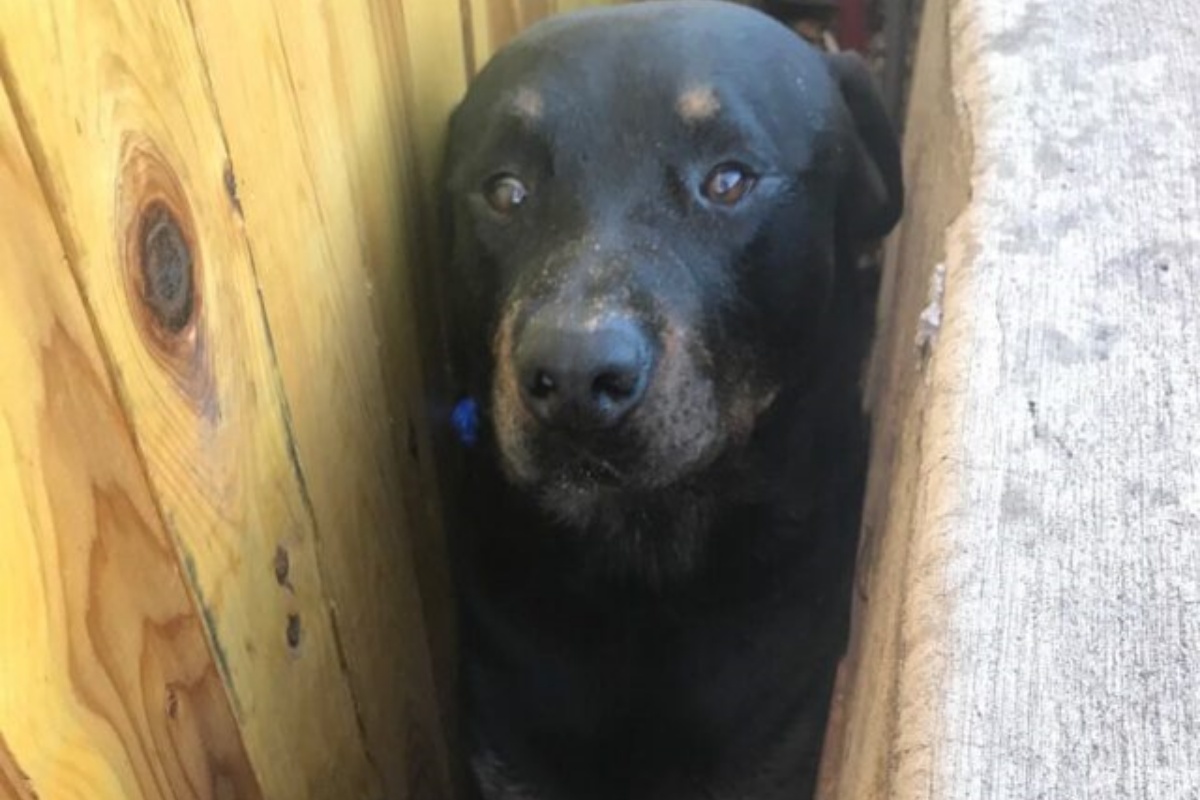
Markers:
point(728, 184)
point(505, 193)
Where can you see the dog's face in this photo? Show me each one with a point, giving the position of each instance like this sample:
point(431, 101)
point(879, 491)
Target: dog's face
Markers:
point(647, 204)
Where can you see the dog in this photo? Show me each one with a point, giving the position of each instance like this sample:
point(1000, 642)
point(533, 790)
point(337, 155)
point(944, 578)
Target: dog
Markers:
point(655, 212)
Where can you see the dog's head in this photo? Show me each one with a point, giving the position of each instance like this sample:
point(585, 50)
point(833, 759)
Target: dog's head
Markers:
point(648, 204)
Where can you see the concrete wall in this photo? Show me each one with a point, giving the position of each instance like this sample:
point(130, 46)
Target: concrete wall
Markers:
point(1029, 611)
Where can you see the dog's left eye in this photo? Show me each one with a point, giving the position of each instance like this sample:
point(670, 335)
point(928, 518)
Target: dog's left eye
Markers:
point(728, 184)
point(505, 193)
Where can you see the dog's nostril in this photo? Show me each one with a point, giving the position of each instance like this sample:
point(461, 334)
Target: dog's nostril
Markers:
point(615, 385)
point(542, 385)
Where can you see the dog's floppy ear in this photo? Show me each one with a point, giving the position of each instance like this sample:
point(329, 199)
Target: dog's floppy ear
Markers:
point(872, 194)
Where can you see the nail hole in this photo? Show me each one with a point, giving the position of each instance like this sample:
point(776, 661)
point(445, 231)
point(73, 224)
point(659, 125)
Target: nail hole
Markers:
point(293, 631)
point(282, 565)
point(231, 188)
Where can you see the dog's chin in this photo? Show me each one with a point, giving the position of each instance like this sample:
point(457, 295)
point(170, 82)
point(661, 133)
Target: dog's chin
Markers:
point(636, 507)
point(661, 455)
point(580, 504)
point(579, 479)
point(653, 534)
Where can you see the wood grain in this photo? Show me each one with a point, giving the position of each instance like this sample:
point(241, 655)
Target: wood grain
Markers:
point(114, 107)
point(492, 23)
point(108, 689)
point(431, 78)
point(309, 101)
point(1029, 619)
point(14, 783)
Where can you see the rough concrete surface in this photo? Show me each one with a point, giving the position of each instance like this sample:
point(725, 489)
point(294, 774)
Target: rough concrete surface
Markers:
point(1029, 615)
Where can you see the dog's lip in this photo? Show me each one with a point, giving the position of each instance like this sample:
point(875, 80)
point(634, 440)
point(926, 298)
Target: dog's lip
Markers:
point(596, 455)
point(616, 460)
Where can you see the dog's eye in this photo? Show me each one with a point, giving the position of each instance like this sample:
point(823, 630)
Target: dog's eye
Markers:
point(505, 193)
point(728, 184)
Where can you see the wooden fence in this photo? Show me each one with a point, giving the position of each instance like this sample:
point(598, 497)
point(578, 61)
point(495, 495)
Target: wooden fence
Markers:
point(222, 575)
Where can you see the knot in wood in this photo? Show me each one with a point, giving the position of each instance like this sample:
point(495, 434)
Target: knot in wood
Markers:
point(166, 263)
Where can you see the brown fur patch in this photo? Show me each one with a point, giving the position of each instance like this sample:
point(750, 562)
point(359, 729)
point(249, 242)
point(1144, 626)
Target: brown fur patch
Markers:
point(680, 420)
point(509, 415)
point(529, 104)
point(698, 104)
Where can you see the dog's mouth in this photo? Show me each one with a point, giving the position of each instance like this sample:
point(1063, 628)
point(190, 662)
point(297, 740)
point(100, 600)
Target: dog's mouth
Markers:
point(624, 460)
point(666, 439)
point(604, 462)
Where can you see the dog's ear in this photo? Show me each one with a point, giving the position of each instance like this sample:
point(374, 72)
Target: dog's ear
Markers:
point(872, 193)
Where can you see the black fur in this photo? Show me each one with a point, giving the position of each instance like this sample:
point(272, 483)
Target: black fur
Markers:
point(644, 619)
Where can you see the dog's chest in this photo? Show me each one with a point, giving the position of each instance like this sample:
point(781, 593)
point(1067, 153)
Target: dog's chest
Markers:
point(683, 685)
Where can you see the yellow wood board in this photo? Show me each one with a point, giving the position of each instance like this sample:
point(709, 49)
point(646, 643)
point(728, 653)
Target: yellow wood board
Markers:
point(492, 23)
point(108, 690)
point(115, 109)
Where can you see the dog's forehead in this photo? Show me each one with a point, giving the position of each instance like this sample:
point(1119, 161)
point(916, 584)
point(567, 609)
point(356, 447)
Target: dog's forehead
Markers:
point(657, 80)
point(690, 56)
point(694, 100)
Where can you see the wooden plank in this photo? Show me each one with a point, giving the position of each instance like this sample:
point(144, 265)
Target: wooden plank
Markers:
point(113, 104)
point(492, 23)
point(424, 83)
point(310, 102)
point(108, 689)
point(907, 413)
point(14, 783)
point(1029, 621)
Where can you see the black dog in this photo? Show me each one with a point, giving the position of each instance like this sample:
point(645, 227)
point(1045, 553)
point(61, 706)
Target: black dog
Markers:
point(655, 210)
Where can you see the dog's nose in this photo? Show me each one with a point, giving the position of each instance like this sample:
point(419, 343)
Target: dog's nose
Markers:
point(585, 377)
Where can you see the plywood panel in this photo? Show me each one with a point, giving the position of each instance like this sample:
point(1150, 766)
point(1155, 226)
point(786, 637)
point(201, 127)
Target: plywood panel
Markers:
point(113, 104)
point(108, 689)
